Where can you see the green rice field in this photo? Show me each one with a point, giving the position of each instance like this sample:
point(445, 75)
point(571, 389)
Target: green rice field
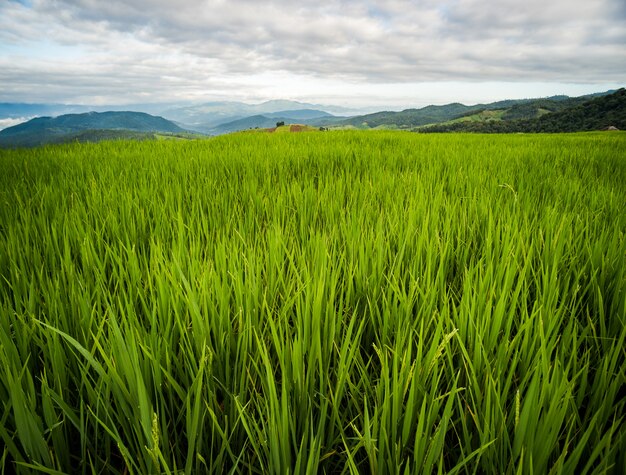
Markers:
point(336, 302)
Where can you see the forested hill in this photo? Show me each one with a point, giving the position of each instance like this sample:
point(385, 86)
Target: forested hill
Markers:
point(68, 127)
point(511, 109)
point(595, 114)
point(409, 118)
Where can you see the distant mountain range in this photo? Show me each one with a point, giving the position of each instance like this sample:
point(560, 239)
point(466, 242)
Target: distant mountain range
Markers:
point(305, 116)
point(552, 114)
point(90, 126)
point(203, 118)
point(220, 117)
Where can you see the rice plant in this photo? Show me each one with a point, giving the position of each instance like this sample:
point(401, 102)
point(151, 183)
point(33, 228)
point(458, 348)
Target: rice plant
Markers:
point(338, 302)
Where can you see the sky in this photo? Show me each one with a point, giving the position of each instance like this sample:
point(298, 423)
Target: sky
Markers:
point(384, 53)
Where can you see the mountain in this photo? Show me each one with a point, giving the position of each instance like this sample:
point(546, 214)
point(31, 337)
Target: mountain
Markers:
point(507, 110)
point(26, 111)
point(300, 114)
point(306, 117)
point(578, 115)
point(252, 122)
point(409, 118)
point(69, 127)
point(206, 116)
point(551, 114)
point(13, 113)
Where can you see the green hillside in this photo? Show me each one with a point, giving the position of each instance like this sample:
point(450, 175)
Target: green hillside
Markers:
point(595, 114)
point(90, 126)
point(410, 119)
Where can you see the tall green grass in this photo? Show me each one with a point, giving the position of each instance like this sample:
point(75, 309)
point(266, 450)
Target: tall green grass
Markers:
point(315, 303)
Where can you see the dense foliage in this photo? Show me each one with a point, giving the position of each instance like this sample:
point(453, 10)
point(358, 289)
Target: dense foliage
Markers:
point(595, 114)
point(536, 108)
point(315, 303)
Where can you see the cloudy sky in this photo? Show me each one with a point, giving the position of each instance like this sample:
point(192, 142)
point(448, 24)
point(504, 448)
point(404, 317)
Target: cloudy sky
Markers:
point(397, 53)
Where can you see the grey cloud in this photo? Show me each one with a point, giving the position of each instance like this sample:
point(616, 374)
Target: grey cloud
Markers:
point(212, 44)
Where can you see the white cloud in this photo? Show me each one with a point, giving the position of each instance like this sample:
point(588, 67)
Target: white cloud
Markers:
point(4, 123)
point(123, 51)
